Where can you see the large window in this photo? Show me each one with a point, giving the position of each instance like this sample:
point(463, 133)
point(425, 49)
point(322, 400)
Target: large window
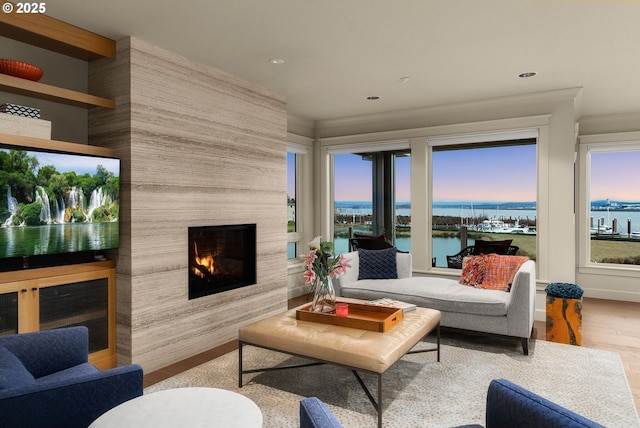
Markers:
point(484, 190)
point(353, 198)
point(372, 197)
point(614, 204)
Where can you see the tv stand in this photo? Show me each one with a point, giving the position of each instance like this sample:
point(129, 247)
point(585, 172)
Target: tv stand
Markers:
point(49, 260)
point(62, 296)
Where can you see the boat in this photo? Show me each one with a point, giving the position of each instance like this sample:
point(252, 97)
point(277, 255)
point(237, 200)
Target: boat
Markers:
point(603, 230)
point(498, 226)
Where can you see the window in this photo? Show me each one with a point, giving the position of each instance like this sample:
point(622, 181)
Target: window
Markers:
point(614, 203)
point(353, 198)
point(483, 190)
point(372, 196)
point(291, 204)
point(403, 202)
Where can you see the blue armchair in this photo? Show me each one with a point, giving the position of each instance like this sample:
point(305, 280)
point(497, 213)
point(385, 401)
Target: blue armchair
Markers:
point(508, 405)
point(47, 381)
point(314, 414)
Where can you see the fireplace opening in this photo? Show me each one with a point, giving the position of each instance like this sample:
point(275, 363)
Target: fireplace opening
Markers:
point(221, 258)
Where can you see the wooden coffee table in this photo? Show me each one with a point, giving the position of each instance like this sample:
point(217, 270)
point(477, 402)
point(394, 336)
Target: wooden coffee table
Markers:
point(356, 349)
point(184, 407)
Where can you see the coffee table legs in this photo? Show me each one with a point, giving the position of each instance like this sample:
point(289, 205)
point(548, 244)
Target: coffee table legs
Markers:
point(241, 371)
point(377, 403)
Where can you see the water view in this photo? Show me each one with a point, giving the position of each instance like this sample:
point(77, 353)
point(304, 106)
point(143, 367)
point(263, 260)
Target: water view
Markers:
point(490, 223)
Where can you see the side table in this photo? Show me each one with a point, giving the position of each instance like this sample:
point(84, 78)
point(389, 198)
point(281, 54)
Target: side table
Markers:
point(184, 407)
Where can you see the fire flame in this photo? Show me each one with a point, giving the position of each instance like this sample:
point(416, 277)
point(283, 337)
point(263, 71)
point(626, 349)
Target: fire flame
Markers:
point(207, 262)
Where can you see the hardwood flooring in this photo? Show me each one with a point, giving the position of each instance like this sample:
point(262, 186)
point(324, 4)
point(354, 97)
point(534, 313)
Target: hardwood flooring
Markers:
point(606, 324)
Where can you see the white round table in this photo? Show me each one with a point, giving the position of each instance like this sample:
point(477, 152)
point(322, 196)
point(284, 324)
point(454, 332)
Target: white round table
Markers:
point(184, 407)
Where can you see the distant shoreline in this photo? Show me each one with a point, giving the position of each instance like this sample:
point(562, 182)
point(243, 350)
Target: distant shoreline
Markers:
point(501, 206)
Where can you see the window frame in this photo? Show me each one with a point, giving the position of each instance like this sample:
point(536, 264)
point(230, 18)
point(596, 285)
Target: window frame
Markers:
point(589, 144)
point(297, 236)
point(488, 139)
point(355, 149)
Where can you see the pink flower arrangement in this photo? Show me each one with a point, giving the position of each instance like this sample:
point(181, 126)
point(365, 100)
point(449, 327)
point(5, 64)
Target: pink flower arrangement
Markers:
point(320, 262)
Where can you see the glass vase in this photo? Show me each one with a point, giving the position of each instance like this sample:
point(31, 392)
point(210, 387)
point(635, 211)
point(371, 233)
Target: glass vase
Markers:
point(324, 297)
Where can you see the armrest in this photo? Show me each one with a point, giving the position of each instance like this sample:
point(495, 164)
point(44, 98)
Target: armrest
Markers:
point(509, 405)
point(72, 402)
point(49, 351)
point(521, 309)
point(314, 414)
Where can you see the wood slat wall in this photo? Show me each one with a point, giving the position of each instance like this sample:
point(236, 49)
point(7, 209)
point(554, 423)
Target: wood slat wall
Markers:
point(198, 147)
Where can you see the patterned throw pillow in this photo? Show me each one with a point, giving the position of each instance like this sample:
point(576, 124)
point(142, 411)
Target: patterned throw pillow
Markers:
point(500, 271)
point(378, 264)
point(473, 268)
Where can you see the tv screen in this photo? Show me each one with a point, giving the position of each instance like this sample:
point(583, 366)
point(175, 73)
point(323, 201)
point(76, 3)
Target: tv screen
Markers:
point(54, 203)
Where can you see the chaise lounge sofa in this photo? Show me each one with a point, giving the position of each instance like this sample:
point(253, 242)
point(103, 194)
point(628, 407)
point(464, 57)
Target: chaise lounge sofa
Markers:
point(505, 313)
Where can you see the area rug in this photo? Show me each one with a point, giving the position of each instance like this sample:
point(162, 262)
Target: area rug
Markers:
point(419, 392)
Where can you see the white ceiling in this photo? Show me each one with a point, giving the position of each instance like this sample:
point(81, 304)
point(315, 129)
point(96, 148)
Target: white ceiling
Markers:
point(338, 52)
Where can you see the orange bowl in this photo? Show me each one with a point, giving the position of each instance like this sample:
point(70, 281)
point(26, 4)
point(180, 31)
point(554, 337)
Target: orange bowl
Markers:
point(20, 69)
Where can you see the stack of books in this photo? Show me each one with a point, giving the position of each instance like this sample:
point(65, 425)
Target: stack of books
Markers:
point(393, 303)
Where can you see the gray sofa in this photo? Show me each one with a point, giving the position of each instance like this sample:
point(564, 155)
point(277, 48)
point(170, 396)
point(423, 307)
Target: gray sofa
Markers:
point(490, 311)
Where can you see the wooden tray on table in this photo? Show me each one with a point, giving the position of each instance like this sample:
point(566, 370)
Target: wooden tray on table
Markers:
point(362, 316)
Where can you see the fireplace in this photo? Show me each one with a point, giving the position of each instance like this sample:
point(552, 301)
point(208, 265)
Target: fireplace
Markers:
point(221, 258)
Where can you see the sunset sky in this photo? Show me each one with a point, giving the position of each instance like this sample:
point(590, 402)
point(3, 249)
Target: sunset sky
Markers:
point(500, 174)
point(615, 176)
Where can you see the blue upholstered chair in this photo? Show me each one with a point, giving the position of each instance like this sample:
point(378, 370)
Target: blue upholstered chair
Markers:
point(508, 406)
point(314, 414)
point(46, 381)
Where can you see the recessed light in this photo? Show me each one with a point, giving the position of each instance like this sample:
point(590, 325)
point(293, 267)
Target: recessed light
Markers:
point(373, 97)
point(276, 61)
point(527, 74)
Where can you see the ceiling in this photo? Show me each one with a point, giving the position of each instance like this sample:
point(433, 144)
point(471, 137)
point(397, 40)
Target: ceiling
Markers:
point(339, 52)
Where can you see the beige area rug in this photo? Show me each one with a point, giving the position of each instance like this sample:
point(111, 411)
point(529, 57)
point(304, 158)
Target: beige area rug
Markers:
point(419, 392)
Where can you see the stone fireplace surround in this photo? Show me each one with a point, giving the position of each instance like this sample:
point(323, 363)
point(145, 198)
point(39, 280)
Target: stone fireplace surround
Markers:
point(198, 146)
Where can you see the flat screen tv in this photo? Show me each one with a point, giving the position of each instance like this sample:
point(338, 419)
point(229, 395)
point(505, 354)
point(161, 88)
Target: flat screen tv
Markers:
point(56, 207)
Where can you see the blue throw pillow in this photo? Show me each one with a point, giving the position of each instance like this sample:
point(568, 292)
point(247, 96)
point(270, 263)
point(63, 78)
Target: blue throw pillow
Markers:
point(378, 264)
point(12, 372)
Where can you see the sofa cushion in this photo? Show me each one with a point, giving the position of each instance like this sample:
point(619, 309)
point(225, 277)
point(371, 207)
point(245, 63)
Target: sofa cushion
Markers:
point(473, 268)
point(13, 374)
point(500, 271)
point(443, 294)
point(378, 264)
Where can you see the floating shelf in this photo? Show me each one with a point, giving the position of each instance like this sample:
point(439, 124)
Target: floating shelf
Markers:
point(61, 146)
point(43, 91)
point(57, 36)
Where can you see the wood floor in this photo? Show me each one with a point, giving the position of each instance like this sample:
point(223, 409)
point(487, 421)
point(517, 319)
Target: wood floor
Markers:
point(606, 324)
